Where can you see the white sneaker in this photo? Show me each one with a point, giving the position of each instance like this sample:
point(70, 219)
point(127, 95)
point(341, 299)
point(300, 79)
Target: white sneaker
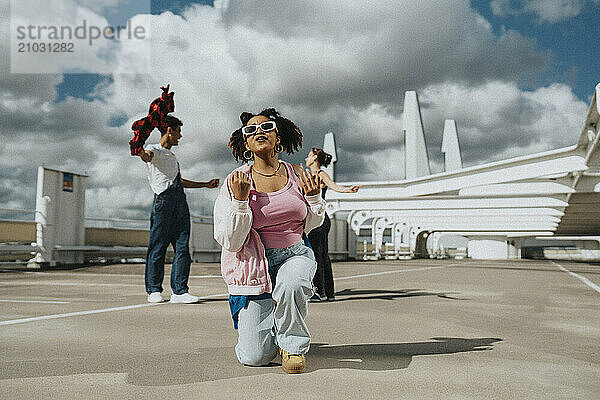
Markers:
point(155, 297)
point(184, 298)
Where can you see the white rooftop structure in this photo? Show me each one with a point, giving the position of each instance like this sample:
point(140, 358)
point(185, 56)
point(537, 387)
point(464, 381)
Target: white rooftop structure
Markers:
point(494, 205)
point(417, 162)
point(450, 146)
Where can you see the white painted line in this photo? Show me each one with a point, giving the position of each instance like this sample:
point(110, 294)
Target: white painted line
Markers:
point(73, 314)
point(59, 283)
point(581, 278)
point(393, 272)
point(54, 316)
point(78, 274)
point(34, 301)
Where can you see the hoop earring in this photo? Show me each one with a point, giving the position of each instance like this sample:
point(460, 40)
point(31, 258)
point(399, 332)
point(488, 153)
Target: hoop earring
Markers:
point(278, 149)
point(247, 155)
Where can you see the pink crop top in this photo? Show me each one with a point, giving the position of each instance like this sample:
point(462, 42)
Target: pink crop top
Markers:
point(278, 217)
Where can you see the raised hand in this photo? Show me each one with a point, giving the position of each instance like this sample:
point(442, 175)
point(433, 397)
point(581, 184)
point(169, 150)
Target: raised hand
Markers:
point(213, 183)
point(310, 183)
point(240, 185)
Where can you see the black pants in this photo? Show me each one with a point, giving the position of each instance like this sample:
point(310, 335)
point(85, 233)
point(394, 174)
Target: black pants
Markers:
point(323, 279)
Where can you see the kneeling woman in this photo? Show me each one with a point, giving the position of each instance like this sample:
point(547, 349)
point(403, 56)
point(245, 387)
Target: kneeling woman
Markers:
point(260, 216)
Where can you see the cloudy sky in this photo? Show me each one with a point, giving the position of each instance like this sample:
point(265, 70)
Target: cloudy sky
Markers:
point(516, 75)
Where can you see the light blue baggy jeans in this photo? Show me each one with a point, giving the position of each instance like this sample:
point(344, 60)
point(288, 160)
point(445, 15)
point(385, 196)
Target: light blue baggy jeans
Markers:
point(266, 323)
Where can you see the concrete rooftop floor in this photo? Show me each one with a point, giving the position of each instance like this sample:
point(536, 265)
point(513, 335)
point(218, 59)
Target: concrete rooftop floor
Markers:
point(436, 329)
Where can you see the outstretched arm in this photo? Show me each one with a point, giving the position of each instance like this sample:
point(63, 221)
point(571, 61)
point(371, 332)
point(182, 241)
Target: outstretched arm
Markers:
point(213, 183)
point(334, 186)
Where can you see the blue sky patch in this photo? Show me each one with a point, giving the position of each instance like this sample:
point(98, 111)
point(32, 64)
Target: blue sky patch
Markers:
point(117, 120)
point(175, 6)
point(570, 42)
point(80, 86)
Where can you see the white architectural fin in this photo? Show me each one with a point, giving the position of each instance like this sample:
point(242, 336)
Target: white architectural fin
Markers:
point(596, 95)
point(451, 147)
point(417, 162)
point(329, 147)
point(590, 130)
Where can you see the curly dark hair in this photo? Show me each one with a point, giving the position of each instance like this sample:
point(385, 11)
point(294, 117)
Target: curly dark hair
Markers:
point(324, 159)
point(289, 133)
point(172, 122)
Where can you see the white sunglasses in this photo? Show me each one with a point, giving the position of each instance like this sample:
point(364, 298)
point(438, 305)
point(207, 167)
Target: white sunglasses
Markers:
point(251, 130)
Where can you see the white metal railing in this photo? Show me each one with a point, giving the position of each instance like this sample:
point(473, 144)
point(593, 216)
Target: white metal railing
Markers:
point(17, 211)
point(124, 223)
point(134, 223)
point(202, 218)
point(17, 250)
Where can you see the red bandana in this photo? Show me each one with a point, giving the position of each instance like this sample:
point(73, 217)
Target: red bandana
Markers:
point(157, 112)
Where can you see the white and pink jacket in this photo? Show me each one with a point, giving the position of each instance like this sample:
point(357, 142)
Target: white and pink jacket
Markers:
point(243, 262)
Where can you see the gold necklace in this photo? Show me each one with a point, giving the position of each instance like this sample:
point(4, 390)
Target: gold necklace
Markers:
point(268, 175)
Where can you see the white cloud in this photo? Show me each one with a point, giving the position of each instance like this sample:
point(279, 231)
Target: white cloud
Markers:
point(497, 120)
point(361, 52)
point(69, 37)
point(550, 11)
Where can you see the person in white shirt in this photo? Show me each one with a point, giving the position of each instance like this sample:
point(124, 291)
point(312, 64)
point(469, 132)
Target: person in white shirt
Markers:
point(170, 216)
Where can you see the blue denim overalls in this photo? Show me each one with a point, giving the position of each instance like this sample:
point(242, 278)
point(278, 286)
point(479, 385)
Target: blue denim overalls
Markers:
point(169, 224)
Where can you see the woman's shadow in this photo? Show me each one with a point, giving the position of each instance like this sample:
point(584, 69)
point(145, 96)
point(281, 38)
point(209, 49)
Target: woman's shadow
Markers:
point(220, 363)
point(388, 356)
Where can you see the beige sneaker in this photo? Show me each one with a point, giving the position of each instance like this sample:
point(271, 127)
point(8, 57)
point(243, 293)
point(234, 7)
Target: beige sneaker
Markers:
point(292, 363)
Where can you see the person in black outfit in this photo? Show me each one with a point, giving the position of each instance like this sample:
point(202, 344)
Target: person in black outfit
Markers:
point(323, 280)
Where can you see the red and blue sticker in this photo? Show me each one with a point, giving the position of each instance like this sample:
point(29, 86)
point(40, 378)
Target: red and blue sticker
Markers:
point(67, 182)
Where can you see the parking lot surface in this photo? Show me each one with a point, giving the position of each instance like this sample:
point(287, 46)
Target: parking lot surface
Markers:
point(415, 329)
